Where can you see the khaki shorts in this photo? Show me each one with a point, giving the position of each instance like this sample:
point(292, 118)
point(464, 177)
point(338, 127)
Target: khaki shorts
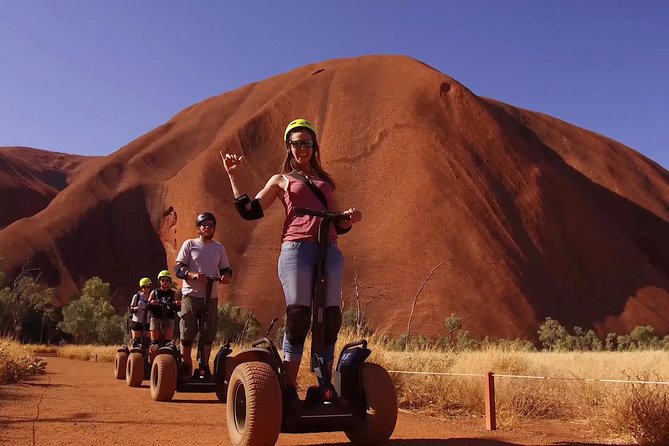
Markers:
point(155, 323)
point(191, 308)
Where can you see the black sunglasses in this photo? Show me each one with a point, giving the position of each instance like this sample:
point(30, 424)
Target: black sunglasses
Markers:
point(309, 144)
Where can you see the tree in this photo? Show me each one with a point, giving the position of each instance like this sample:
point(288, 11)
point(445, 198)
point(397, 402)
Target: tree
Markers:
point(91, 319)
point(356, 318)
point(453, 323)
point(415, 298)
point(643, 336)
point(22, 297)
point(611, 342)
point(552, 335)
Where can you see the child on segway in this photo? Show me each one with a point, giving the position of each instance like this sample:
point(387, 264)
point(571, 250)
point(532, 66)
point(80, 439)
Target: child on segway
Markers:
point(138, 304)
point(163, 307)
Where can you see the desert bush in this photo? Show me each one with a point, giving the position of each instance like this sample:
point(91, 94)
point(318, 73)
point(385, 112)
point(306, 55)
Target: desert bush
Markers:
point(236, 324)
point(17, 362)
point(639, 411)
point(91, 319)
point(18, 300)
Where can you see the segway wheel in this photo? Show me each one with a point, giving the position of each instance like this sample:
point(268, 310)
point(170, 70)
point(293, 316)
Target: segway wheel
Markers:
point(381, 406)
point(254, 407)
point(221, 388)
point(119, 365)
point(134, 373)
point(163, 378)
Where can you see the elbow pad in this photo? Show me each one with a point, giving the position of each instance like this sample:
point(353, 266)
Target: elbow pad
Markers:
point(248, 214)
point(225, 272)
point(181, 270)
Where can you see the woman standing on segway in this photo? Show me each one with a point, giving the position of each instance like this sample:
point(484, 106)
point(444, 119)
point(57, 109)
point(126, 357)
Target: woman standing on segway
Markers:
point(138, 305)
point(302, 183)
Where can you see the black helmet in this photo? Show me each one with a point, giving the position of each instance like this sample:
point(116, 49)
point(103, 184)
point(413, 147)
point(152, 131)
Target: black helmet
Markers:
point(205, 216)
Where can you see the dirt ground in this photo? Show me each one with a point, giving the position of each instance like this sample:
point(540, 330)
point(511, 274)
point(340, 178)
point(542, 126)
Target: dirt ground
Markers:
point(80, 403)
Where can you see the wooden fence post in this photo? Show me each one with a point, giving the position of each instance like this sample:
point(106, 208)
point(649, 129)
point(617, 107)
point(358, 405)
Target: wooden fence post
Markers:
point(490, 416)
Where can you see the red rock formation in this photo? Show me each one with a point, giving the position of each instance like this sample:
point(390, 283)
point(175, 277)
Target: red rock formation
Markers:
point(30, 178)
point(533, 217)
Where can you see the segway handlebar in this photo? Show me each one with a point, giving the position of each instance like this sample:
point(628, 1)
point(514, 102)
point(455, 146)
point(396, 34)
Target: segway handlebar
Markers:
point(174, 306)
point(363, 343)
point(326, 215)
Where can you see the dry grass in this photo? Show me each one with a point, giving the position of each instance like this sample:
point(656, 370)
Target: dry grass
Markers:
point(17, 362)
point(639, 412)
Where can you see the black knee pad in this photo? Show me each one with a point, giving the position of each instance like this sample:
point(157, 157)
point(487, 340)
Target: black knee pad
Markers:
point(332, 319)
point(186, 343)
point(298, 321)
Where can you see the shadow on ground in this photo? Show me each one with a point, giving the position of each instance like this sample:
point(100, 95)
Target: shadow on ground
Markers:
point(468, 442)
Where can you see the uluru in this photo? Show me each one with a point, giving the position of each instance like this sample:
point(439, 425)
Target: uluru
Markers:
point(30, 178)
point(523, 215)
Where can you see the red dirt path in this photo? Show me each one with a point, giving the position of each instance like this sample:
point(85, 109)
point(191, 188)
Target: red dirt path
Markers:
point(79, 403)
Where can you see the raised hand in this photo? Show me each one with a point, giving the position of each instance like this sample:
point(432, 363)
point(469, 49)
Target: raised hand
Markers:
point(231, 162)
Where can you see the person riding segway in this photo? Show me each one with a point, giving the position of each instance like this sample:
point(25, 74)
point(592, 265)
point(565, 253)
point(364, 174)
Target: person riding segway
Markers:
point(165, 379)
point(199, 261)
point(362, 402)
point(138, 366)
point(136, 325)
point(202, 263)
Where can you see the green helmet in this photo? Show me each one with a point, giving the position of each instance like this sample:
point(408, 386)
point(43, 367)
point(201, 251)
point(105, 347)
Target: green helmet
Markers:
point(144, 281)
point(165, 273)
point(299, 123)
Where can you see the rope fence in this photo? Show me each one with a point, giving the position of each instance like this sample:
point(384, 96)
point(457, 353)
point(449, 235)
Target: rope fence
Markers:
point(556, 378)
point(489, 386)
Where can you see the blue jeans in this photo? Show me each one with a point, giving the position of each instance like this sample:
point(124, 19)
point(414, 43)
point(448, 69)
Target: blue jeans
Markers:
point(297, 267)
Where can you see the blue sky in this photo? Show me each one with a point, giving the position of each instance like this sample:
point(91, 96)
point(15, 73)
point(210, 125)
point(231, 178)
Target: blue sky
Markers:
point(88, 77)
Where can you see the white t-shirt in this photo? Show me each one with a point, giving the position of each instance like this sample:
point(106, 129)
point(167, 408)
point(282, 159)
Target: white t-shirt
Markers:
point(200, 257)
point(139, 315)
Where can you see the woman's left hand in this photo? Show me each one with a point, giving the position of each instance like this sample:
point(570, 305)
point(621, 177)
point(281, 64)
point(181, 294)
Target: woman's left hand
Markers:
point(354, 214)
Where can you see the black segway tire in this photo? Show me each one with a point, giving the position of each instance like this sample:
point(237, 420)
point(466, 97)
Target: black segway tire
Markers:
point(163, 380)
point(119, 365)
point(221, 388)
point(381, 407)
point(254, 406)
point(134, 373)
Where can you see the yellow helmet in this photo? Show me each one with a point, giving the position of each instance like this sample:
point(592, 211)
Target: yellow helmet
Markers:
point(164, 273)
point(299, 123)
point(144, 281)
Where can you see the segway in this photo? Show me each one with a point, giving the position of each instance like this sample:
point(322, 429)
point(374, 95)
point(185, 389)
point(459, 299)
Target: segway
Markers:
point(120, 362)
point(138, 365)
point(362, 402)
point(167, 374)
point(121, 358)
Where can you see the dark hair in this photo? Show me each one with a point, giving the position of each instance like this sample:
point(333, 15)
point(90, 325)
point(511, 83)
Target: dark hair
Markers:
point(315, 161)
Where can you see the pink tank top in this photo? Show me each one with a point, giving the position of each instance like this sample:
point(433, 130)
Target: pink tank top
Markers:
point(298, 195)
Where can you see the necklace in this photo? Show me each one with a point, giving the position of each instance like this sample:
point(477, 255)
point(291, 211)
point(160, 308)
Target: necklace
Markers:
point(308, 175)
